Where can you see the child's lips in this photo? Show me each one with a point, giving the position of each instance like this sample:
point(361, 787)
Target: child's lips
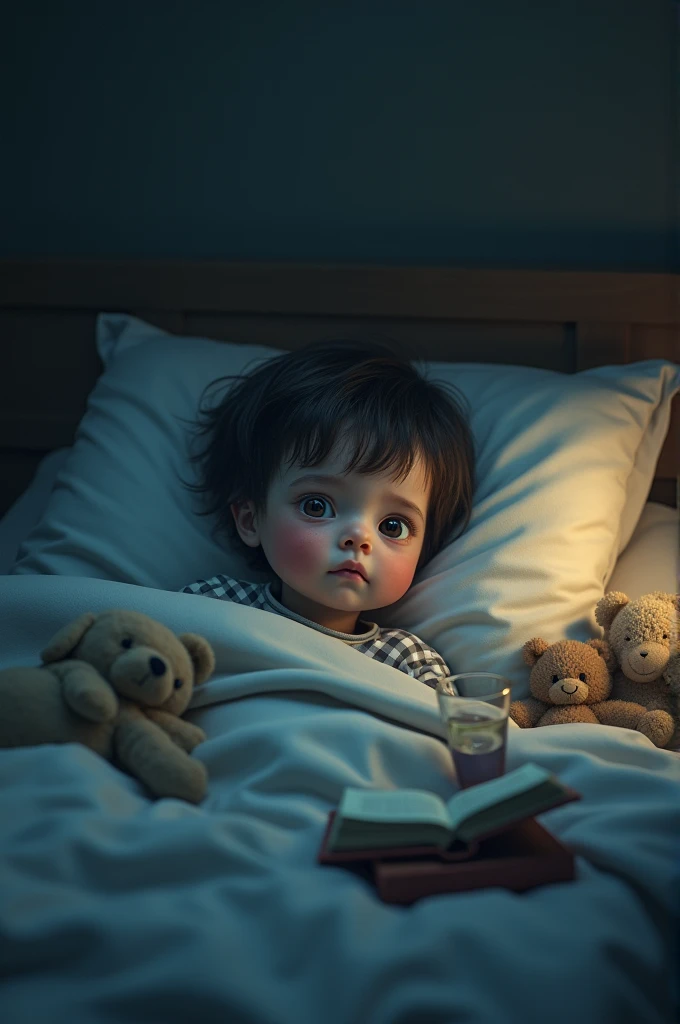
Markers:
point(349, 574)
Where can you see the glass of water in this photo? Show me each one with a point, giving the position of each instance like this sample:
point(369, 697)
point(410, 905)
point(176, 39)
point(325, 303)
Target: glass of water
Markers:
point(474, 707)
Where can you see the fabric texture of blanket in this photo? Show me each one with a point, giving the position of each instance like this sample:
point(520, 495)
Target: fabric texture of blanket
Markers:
point(117, 908)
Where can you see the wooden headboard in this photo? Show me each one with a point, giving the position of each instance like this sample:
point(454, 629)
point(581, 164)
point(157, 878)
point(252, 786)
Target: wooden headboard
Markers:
point(559, 320)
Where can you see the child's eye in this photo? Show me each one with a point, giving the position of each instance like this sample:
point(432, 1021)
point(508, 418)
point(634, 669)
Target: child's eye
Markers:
point(308, 501)
point(400, 521)
point(317, 513)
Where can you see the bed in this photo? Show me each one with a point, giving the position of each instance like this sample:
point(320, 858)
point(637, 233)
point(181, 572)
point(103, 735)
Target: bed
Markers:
point(114, 907)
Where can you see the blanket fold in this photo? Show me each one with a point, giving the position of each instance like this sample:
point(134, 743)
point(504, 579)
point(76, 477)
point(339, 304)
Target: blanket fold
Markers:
point(117, 908)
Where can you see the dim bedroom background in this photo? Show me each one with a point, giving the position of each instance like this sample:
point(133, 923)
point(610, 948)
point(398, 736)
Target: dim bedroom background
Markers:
point(572, 381)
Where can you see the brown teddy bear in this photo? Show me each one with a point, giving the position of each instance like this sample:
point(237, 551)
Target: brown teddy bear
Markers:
point(116, 682)
point(571, 682)
point(644, 637)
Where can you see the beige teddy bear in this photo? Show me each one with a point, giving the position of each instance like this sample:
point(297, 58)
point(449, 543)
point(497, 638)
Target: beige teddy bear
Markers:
point(644, 637)
point(571, 682)
point(116, 682)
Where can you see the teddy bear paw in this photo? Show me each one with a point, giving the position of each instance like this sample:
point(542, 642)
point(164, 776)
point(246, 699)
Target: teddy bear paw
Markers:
point(192, 784)
point(519, 713)
point(192, 736)
point(657, 726)
point(672, 674)
point(94, 705)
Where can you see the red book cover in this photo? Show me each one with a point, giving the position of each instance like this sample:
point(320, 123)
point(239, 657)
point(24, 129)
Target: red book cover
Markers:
point(521, 858)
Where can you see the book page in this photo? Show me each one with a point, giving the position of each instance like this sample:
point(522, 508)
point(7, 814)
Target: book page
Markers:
point(393, 805)
point(486, 794)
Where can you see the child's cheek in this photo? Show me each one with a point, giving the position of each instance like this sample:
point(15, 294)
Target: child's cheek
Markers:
point(398, 578)
point(298, 549)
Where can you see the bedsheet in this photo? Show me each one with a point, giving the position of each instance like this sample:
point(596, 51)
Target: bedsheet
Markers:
point(116, 908)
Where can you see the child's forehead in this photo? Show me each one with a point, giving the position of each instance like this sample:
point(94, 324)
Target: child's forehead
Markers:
point(336, 466)
point(333, 472)
point(338, 459)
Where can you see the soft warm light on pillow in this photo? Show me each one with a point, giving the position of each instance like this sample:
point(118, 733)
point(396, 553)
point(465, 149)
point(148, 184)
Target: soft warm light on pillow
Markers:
point(565, 463)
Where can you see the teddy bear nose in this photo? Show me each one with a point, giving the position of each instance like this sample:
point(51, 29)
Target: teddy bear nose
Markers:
point(157, 666)
point(643, 654)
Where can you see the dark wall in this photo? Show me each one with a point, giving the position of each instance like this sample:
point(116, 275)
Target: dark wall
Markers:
point(434, 132)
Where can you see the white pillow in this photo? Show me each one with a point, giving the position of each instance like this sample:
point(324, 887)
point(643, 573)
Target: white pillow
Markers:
point(565, 463)
point(26, 511)
point(652, 559)
point(118, 510)
point(565, 466)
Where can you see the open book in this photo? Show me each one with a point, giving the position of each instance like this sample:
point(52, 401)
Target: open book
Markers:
point(373, 819)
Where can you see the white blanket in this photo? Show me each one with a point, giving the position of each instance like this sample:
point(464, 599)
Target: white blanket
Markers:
point(114, 908)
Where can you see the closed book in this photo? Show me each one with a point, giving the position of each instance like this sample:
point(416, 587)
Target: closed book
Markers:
point(520, 858)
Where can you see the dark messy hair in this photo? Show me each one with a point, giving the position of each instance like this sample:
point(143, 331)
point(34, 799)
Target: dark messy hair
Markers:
point(297, 405)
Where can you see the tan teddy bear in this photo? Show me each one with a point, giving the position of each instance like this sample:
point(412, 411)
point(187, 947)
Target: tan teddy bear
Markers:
point(116, 682)
point(571, 682)
point(644, 637)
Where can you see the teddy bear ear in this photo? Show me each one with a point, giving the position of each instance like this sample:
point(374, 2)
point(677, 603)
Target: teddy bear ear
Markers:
point(609, 606)
point(201, 654)
point(661, 595)
point(606, 653)
point(533, 649)
point(68, 637)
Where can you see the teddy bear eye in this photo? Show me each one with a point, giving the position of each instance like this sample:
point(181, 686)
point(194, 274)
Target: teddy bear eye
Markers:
point(627, 638)
point(178, 683)
point(126, 642)
point(582, 677)
point(555, 678)
point(665, 636)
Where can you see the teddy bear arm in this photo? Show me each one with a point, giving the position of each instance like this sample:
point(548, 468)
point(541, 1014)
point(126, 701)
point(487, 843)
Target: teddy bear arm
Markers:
point(85, 690)
point(567, 714)
point(148, 753)
point(525, 713)
point(671, 674)
point(656, 724)
point(184, 734)
point(624, 713)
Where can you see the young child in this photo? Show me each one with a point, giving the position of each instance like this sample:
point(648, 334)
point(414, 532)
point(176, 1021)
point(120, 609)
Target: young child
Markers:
point(341, 471)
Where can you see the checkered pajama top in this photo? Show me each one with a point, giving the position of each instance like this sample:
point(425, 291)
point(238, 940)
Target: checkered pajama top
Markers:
point(393, 647)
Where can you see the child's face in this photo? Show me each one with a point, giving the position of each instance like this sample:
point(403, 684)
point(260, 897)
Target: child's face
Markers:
point(312, 526)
